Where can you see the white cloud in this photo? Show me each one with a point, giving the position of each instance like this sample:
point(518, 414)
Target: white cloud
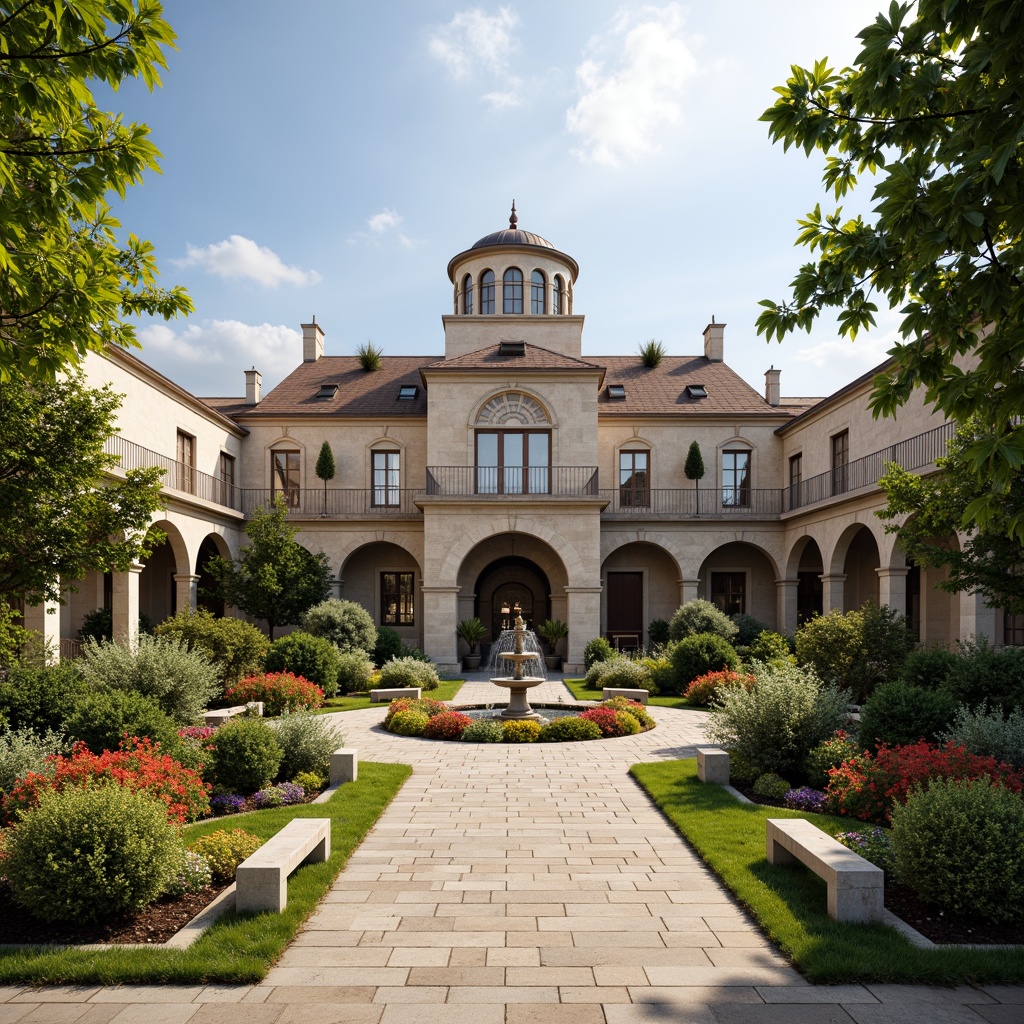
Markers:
point(475, 41)
point(383, 221)
point(632, 87)
point(240, 257)
point(501, 100)
point(383, 224)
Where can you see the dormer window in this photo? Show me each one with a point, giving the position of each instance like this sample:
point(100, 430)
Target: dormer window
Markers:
point(616, 392)
point(696, 391)
point(408, 392)
point(326, 391)
point(511, 348)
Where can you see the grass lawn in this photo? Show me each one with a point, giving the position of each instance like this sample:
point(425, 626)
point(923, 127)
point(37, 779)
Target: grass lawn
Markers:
point(446, 691)
point(581, 692)
point(237, 948)
point(789, 901)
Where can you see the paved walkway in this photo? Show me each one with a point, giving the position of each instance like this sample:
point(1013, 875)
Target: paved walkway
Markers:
point(511, 884)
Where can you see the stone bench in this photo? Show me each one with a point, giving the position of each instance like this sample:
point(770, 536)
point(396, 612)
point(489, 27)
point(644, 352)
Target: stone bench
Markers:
point(640, 696)
point(222, 715)
point(855, 886)
point(396, 693)
point(261, 881)
point(713, 765)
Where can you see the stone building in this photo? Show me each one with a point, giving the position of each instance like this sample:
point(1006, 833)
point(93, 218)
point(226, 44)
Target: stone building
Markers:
point(512, 468)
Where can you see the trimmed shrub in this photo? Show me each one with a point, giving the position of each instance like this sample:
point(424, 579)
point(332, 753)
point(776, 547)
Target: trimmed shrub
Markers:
point(408, 672)
point(927, 667)
point(98, 625)
point(424, 706)
point(345, 624)
point(103, 719)
point(235, 646)
point(307, 741)
point(773, 725)
point(225, 850)
point(181, 681)
point(449, 725)
point(747, 629)
point(869, 786)
point(828, 754)
point(874, 845)
point(659, 670)
point(570, 728)
point(387, 647)
point(355, 672)
point(989, 733)
point(23, 751)
point(194, 875)
point(830, 645)
point(769, 648)
point(635, 708)
point(704, 688)
point(485, 730)
point(697, 655)
point(699, 616)
point(279, 691)
point(312, 782)
point(521, 732)
point(84, 854)
point(960, 845)
point(657, 632)
point(772, 786)
point(612, 722)
point(597, 672)
point(898, 713)
point(408, 723)
point(246, 755)
point(628, 674)
point(311, 657)
point(596, 650)
point(41, 699)
point(983, 672)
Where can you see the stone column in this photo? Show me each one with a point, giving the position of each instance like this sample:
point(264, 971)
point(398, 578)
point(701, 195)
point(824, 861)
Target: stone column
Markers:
point(832, 592)
point(688, 590)
point(186, 591)
point(785, 605)
point(44, 619)
point(126, 605)
point(977, 619)
point(892, 588)
point(440, 611)
point(583, 612)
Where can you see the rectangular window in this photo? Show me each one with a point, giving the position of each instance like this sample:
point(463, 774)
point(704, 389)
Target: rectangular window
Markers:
point(387, 483)
point(840, 461)
point(735, 479)
point(227, 480)
point(513, 462)
point(397, 599)
point(1013, 630)
point(634, 479)
point(796, 468)
point(186, 462)
point(729, 592)
point(286, 478)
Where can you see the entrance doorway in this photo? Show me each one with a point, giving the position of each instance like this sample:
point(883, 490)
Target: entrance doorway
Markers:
point(625, 610)
point(502, 585)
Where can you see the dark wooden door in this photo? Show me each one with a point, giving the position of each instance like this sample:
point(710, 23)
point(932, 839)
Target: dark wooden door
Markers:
point(626, 609)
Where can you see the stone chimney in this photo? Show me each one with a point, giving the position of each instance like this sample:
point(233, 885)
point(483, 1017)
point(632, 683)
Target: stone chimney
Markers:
point(772, 391)
point(714, 342)
point(312, 342)
point(253, 387)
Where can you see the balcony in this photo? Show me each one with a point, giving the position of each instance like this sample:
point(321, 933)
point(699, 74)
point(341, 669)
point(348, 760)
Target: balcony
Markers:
point(337, 502)
point(691, 503)
point(511, 482)
point(177, 475)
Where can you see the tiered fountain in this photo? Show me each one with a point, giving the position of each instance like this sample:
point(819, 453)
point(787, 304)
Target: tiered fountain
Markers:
point(517, 684)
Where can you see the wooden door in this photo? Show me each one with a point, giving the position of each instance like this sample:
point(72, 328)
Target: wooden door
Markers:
point(626, 609)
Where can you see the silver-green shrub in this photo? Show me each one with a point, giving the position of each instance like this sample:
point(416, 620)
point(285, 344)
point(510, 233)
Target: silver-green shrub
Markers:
point(355, 672)
point(346, 624)
point(774, 725)
point(701, 616)
point(629, 674)
point(989, 733)
point(23, 751)
point(408, 672)
point(485, 730)
point(307, 741)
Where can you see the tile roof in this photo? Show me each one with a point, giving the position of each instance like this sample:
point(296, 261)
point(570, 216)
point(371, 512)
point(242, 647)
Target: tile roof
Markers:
point(533, 358)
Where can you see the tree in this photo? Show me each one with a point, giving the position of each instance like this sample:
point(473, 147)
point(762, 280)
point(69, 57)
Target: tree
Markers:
point(325, 468)
point(694, 469)
point(60, 518)
point(275, 578)
point(66, 280)
point(988, 561)
point(932, 111)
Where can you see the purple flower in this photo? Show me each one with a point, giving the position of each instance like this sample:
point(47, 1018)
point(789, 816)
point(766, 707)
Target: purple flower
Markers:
point(227, 803)
point(805, 799)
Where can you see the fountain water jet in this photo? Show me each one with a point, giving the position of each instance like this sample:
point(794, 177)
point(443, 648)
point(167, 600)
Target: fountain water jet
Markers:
point(517, 684)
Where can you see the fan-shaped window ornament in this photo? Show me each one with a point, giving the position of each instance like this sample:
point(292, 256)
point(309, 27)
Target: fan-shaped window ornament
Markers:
point(512, 409)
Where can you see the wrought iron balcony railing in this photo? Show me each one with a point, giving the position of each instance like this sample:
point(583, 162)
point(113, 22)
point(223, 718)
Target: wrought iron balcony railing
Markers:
point(370, 503)
point(511, 481)
point(686, 502)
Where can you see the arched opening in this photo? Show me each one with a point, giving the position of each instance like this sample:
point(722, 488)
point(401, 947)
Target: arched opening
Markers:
point(207, 595)
point(158, 589)
point(740, 579)
point(467, 294)
point(512, 291)
point(557, 295)
point(933, 613)
point(538, 289)
point(641, 583)
point(386, 579)
point(487, 291)
point(861, 570)
point(809, 591)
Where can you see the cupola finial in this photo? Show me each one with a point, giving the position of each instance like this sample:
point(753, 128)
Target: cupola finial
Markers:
point(513, 219)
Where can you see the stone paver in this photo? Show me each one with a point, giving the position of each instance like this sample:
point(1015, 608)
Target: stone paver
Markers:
point(521, 883)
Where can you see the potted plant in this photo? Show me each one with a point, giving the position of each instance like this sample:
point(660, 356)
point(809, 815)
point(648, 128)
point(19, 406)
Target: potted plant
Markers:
point(551, 631)
point(472, 631)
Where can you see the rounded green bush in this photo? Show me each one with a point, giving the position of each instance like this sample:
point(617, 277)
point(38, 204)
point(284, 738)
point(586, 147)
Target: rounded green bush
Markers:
point(633, 675)
point(768, 647)
point(927, 667)
point(598, 671)
point(697, 617)
point(235, 646)
point(772, 786)
point(409, 723)
point(898, 713)
point(104, 718)
point(307, 741)
point(960, 845)
point(355, 672)
point(830, 753)
point(747, 629)
point(346, 624)
point(41, 699)
point(635, 708)
point(408, 672)
point(485, 730)
point(521, 732)
point(699, 654)
point(387, 647)
point(84, 854)
point(657, 632)
point(246, 755)
point(596, 650)
point(563, 730)
point(225, 850)
point(312, 657)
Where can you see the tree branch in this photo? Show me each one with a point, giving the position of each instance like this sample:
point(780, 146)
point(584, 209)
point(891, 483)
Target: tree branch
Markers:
point(825, 109)
point(64, 54)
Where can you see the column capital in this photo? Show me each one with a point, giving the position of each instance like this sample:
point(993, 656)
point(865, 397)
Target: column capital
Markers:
point(887, 571)
point(833, 577)
point(426, 589)
point(583, 590)
point(787, 583)
point(185, 577)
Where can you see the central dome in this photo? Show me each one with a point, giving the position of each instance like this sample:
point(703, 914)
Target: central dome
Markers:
point(511, 236)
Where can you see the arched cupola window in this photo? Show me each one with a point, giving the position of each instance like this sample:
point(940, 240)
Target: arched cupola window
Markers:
point(538, 286)
point(487, 291)
point(467, 294)
point(558, 295)
point(512, 291)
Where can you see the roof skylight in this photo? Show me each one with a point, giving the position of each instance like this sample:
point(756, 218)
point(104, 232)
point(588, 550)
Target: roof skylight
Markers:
point(511, 348)
point(326, 391)
point(617, 392)
point(696, 391)
point(407, 392)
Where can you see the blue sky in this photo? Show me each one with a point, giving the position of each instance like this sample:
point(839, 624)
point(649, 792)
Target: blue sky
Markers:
point(330, 160)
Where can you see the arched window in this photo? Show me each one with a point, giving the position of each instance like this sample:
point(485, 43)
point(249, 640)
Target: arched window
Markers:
point(538, 286)
point(557, 293)
point(487, 291)
point(512, 291)
point(467, 294)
